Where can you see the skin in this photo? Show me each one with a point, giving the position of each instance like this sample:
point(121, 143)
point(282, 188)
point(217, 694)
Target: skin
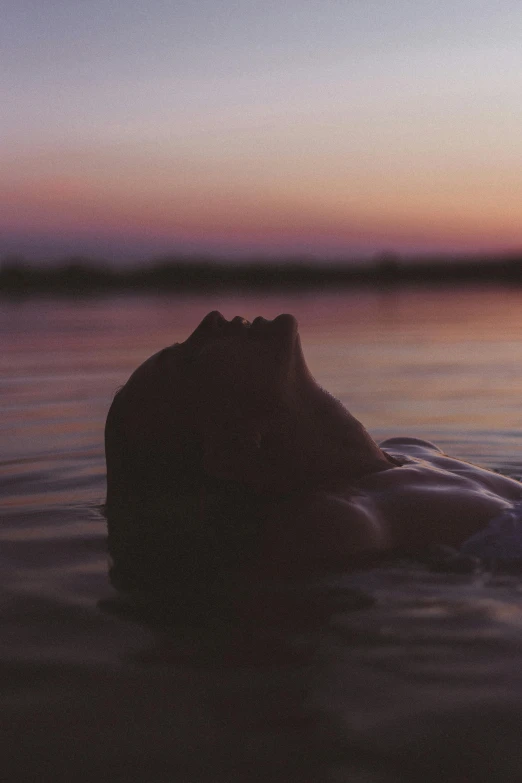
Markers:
point(326, 495)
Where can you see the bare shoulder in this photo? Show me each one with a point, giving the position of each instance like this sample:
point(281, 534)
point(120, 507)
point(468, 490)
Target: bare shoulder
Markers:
point(421, 462)
point(409, 445)
point(321, 531)
point(426, 498)
point(430, 498)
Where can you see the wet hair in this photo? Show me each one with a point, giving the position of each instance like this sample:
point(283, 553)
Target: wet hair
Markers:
point(172, 528)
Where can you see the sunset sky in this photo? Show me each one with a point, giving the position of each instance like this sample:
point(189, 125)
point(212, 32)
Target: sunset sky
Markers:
point(321, 127)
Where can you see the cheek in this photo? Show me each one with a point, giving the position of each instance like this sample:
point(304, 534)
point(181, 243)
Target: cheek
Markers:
point(237, 382)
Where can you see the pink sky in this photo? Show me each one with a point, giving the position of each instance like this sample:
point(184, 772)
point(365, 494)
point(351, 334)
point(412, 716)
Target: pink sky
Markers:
point(330, 129)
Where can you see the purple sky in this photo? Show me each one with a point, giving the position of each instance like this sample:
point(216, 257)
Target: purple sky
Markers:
point(330, 128)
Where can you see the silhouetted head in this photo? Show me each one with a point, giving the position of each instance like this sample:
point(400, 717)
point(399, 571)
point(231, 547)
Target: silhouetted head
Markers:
point(205, 431)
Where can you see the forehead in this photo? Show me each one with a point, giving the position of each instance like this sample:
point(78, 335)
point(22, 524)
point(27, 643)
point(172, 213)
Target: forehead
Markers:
point(151, 395)
point(164, 366)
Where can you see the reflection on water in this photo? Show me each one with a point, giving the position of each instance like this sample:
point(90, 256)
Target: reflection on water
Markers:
point(371, 690)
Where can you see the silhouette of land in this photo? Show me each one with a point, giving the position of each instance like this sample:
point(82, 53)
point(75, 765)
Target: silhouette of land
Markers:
point(83, 276)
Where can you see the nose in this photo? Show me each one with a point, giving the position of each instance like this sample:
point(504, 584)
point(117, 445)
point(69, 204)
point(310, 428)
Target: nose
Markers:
point(210, 325)
point(213, 320)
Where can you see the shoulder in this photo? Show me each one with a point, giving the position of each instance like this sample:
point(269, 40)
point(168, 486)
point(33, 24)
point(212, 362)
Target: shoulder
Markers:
point(422, 462)
point(430, 498)
point(409, 444)
point(321, 531)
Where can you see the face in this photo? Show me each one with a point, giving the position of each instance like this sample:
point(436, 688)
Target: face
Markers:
point(241, 370)
point(240, 396)
point(226, 374)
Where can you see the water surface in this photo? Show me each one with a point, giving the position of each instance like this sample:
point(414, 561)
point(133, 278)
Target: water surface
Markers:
point(421, 679)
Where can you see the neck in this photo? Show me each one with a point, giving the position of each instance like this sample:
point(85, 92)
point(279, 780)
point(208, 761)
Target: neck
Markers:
point(316, 444)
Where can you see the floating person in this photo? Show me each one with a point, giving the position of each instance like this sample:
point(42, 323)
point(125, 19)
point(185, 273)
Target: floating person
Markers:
point(225, 456)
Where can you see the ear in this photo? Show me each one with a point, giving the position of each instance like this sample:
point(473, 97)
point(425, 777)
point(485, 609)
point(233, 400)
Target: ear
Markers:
point(232, 456)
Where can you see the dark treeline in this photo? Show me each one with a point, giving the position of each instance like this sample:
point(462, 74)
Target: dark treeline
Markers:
point(83, 276)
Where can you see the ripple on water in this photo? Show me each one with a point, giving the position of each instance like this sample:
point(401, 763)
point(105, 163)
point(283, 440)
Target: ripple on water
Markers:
point(419, 681)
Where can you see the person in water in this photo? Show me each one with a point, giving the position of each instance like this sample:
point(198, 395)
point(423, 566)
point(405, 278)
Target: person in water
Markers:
point(225, 455)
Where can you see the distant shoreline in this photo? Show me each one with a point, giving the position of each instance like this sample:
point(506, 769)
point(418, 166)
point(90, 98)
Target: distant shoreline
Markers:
point(78, 276)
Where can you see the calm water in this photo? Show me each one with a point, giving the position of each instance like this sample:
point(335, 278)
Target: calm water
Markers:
point(423, 683)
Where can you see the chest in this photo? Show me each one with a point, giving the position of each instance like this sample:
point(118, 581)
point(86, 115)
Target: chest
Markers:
point(420, 516)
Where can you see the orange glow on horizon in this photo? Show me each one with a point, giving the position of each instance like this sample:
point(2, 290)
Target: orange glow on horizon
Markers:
point(294, 206)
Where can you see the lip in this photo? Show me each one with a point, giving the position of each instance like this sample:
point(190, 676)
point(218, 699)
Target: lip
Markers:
point(237, 325)
point(283, 324)
point(259, 324)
